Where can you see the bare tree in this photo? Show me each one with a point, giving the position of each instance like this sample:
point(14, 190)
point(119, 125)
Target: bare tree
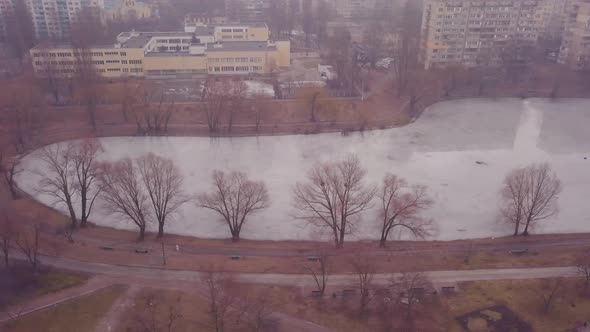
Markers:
point(260, 105)
point(58, 179)
point(334, 196)
point(529, 195)
point(583, 267)
point(8, 232)
point(312, 99)
point(28, 240)
point(410, 287)
point(219, 298)
point(86, 32)
point(401, 208)
point(257, 312)
point(20, 32)
point(319, 273)
point(163, 182)
point(21, 117)
point(214, 103)
point(124, 194)
point(153, 119)
point(551, 289)
point(238, 98)
point(10, 168)
point(235, 197)
point(86, 173)
point(406, 51)
point(155, 315)
point(365, 270)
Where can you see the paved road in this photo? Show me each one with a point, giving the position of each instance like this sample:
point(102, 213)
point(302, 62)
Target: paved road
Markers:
point(302, 280)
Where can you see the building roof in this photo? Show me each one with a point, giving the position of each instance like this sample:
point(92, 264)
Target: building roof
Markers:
point(237, 46)
point(172, 54)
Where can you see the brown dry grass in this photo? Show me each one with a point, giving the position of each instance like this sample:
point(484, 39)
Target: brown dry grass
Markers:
point(80, 314)
point(192, 308)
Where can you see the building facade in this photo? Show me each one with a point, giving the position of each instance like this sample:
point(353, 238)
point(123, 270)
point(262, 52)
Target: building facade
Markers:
point(247, 10)
point(128, 10)
point(52, 18)
point(575, 45)
point(462, 31)
point(168, 54)
point(6, 8)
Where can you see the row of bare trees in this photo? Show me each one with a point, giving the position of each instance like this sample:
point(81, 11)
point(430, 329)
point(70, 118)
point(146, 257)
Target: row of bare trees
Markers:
point(149, 187)
point(335, 194)
point(21, 232)
point(332, 198)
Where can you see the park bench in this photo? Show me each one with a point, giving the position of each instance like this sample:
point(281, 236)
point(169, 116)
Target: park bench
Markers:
point(235, 257)
point(108, 248)
point(348, 292)
point(141, 251)
point(446, 290)
point(519, 251)
point(313, 258)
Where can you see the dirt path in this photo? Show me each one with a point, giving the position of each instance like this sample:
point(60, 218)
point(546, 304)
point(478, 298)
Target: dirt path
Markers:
point(96, 283)
point(111, 320)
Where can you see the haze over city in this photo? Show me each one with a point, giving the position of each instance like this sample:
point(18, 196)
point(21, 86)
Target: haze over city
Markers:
point(294, 165)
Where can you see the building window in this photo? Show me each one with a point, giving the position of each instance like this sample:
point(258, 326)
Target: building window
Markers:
point(113, 61)
point(114, 69)
point(123, 53)
point(124, 62)
point(135, 62)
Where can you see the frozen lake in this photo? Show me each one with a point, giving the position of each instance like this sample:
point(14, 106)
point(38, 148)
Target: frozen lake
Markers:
point(440, 150)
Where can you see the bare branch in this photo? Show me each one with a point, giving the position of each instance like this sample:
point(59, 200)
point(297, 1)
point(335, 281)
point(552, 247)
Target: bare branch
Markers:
point(163, 182)
point(235, 197)
point(333, 196)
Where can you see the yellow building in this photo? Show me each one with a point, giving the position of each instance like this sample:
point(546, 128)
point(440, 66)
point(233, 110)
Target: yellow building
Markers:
point(130, 9)
point(171, 54)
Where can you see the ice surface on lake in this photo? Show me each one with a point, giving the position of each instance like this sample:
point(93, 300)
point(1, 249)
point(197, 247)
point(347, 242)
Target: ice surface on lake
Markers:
point(440, 150)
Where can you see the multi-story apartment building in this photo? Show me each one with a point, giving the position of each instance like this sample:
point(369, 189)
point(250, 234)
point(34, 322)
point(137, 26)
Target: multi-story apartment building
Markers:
point(459, 31)
point(168, 54)
point(575, 45)
point(6, 8)
point(247, 10)
point(52, 18)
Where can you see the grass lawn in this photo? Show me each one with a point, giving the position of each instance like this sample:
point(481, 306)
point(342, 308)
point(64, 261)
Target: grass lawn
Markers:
point(80, 314)
point(191, 307)
point(19, 284)
point(327, 312)
point(523, 297)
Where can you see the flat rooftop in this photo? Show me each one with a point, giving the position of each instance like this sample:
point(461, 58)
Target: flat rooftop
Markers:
point(172, 54)
point(236, 46)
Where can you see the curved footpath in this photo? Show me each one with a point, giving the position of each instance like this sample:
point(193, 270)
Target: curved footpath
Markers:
point(301, 280)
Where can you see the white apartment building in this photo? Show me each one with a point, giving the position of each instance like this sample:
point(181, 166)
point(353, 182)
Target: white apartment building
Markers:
point(575, 45)
point(53, 18)
point(458, 31)
point(6, 7)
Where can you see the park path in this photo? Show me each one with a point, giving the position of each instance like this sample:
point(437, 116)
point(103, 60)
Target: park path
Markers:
point(112, 318)
point(45, 301)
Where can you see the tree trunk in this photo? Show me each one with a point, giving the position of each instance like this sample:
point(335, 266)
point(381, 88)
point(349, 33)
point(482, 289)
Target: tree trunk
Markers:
point(84, 217)
point(141, 233)
point(160, 229)
point(383, 240)
point(235, 236)
point(526, 228)
point(72, 215)
point(516, 228)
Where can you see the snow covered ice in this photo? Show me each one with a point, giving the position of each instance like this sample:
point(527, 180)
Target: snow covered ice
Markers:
point(461, 150)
